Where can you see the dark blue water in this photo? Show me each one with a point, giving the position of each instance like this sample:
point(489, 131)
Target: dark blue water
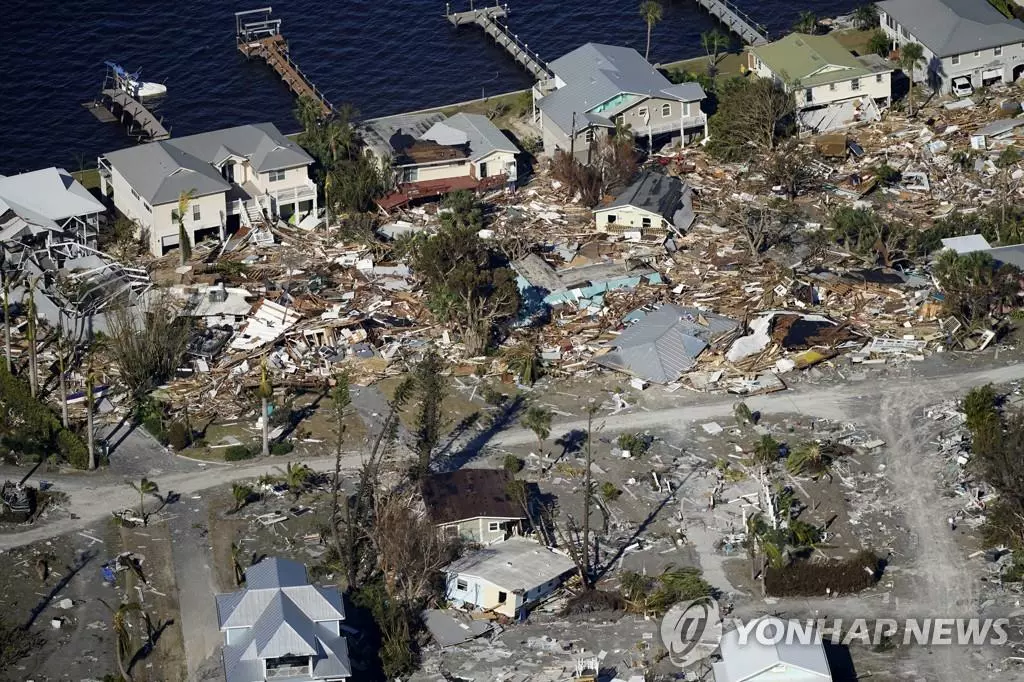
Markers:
point(384, 56)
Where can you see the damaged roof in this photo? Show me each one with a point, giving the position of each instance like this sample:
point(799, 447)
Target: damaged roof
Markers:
point(655, 193)
point(665, 343)
point(483, 137)
point(469, 494)
point(515, 564)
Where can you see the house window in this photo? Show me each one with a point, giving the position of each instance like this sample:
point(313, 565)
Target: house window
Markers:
point(611, 218)
point(666, 110)
point(275, 176)
point(588, 136)
point(195, 212)
point(955, 59)
point(451, 531)
point(147, 207)
point(890, 22)
point(646, 222)
point(997, 51)
point(903, 32)
point(493, 526)
point(831, 87)
point(135, 194)
point(855, 84)
point(502, 597)
point(174, 215)
point(620, 120)
point(809, 95)
point(878, 78)
point(461, 585)
point(642, 112)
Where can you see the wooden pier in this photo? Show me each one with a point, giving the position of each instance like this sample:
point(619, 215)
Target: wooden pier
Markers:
point(259, 35)
point(140, 121)
point(736, 21)
point(487, 19)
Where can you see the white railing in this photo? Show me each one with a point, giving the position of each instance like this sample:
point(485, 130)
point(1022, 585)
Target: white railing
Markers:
point(670, 126)
point(292, 194)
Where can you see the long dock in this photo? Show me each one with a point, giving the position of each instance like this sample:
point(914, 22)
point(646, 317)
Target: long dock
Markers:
point(736, 21)
point(487, 19)
point(258, 35)
point(139, 120)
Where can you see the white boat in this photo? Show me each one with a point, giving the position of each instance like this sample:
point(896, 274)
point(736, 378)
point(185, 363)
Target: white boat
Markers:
point(133, 84)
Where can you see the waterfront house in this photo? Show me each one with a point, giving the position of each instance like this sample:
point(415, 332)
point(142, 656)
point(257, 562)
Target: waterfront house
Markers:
point(432, 155)
point(648, 209)
point(282, 627)
point(237, 176)
point(832, 87)
point(596, 87)
point(47, 206)
point(473, 504)
point(506, 577)
point(757, 661)
point(962, 39)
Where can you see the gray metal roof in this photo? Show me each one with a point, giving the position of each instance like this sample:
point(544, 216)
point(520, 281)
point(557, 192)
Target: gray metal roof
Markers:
point(665, 343)
point(280, 614)
point(482, 136)
point(161, 171)
point(516, 563)
point(595, 73)
point(748, 660)
point(653, 192)
point(950, 27)
point(379, 134)
point(46, 196)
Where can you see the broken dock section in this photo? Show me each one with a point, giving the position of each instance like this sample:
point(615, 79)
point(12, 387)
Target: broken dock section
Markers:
point(736, 21)
point(258, 35)
point(141, 123)
point(487, 19)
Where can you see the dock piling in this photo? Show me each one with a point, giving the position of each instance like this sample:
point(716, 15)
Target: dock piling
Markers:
point(488, 19)
point(736, 21)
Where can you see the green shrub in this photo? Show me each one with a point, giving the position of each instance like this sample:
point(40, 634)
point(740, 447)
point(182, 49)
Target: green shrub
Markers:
point(637, 443)
point(39, 423)
point(236, 453)
point(513, 464)
point(609, 492)
point(178, 436)
point(282, 448)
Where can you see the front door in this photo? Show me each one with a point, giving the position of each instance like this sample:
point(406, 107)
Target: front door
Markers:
point(483, 170)
point(228, 171)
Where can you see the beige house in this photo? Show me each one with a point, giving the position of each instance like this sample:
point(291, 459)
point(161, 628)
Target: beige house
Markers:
point(823, 75)
point(649, 209)
point(596, 87)
point(473, 504)
point(506, 577)
point(237, 176)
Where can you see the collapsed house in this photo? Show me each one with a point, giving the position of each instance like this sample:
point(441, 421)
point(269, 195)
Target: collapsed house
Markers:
point(473, 504)
point(649, 209)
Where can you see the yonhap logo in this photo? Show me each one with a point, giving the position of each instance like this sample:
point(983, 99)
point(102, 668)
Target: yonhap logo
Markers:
point(691, 631)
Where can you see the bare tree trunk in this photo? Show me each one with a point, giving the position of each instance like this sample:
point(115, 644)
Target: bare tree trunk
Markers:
point(264, 405)
point(588, 498)
point(7, 322)
point(33, 379)
point(61, 366)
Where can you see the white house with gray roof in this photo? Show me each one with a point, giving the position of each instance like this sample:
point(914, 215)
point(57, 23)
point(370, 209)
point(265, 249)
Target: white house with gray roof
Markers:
point(648, 209)
point(596, 86)
point(961, 39)
point(237, 175)
point(282, 628)
point(48, 204)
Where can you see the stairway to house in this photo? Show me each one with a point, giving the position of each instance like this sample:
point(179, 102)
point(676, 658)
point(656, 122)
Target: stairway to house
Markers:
point(254, 214)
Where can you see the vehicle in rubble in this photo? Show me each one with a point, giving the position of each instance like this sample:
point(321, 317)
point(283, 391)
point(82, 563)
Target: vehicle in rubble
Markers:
point(962, 87)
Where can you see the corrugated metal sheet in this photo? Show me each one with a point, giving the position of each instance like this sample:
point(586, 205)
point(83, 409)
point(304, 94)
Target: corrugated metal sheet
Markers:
point(283, 630)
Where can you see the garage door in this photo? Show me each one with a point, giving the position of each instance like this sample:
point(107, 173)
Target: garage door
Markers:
point(991, 73)
point(169, 241)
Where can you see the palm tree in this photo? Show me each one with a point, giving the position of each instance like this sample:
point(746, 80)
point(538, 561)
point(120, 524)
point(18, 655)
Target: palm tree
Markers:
point(807, 23)
point(296, 476)
point(62, 358)
point(236, 562)
point(184, 245)
point(623, 131)
point(30, 333)
point(866, 17)
point(144, 487)
point(265, 392)
point(911, 56)
point(807, 457)
point(338, 140)
point(713, 42)
point(538, 420)
point(123, 645)
point(634, 587)
point(90, 406)
point(7, 319)
point(241, 493)
point(652, 13)
point(766, 451)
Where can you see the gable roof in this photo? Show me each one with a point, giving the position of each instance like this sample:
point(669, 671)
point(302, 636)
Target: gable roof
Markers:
point(653, 192)
point(594, 74)
point(469, 494)
point(749, 660)
point(477, 131)
point(280, 613)
point(46, 196)
point(951, 27)
point(161, 171)
point(812, 60)
point(665, 343)
point(516, 563)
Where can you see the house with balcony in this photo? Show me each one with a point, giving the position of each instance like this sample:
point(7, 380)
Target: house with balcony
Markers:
point(962, 39)
point(596, 87)
point(280, 627)
point(431, 154)
point(832, 87)
point(237, 176)
point(47, 206)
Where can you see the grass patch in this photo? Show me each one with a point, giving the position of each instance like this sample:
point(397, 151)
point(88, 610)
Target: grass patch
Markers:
point(89, 178)
point(729, 66)
point(854, 39)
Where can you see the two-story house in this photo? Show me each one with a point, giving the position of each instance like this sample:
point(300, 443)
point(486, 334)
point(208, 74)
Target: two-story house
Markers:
point(236, 177)
point(822, 74)
point(282, 628)
point(473, 504)
point(596, 86)
point(966, 39)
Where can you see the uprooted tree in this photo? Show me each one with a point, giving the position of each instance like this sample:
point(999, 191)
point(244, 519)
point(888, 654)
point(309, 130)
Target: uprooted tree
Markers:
point(762, 226)
point(612, 162)
point(975, 285)
point(469, 285)
point(752, 116)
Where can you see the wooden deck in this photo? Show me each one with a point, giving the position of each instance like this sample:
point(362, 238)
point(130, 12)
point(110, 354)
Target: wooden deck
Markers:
point(735, 20)
point(487, 20)
point(274, 51)
point(412, 191)
point(140, 121)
